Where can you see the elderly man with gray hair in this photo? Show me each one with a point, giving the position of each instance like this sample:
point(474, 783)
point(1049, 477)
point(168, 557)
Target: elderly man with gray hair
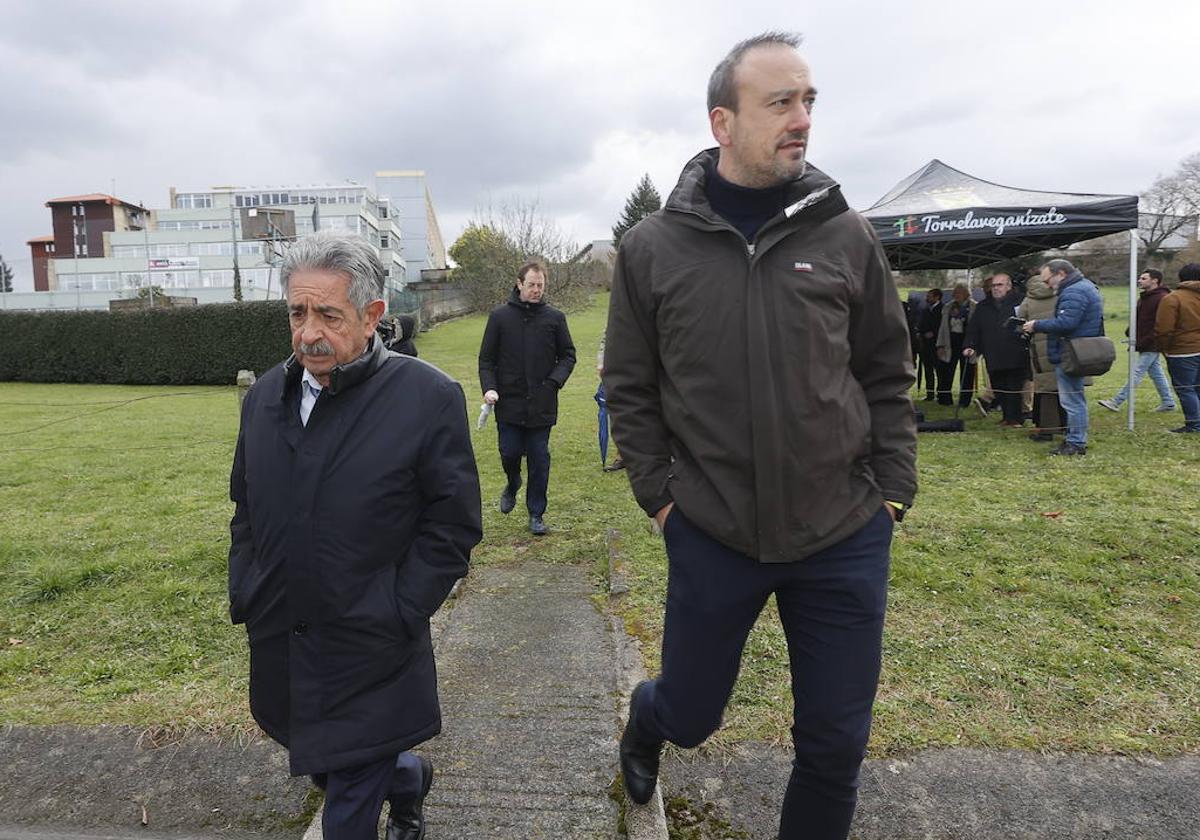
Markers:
point(357, 506)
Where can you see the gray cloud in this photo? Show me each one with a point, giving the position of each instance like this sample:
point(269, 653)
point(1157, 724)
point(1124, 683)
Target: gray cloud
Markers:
point(567, 104)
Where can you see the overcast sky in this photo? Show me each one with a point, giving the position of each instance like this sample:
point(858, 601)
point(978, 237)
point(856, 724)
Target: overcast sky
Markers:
point(569, 103)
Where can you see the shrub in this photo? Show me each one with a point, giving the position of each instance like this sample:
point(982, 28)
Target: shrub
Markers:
point(195, 345)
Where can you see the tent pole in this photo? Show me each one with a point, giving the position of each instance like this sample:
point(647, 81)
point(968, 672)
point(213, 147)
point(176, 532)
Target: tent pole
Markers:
point(1132, 322)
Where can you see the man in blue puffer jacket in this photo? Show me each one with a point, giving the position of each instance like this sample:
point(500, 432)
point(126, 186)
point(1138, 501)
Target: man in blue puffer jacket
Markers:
point(1079, 313)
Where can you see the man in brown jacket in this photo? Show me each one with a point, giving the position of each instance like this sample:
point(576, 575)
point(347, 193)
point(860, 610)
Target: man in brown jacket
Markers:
point(757, 375)
point(1177, 326)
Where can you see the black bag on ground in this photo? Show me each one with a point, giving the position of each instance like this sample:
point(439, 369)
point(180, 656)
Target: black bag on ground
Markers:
point(1091, 356)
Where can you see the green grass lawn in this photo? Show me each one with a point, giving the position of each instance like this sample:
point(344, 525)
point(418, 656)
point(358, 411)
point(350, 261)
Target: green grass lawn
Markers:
point(1009, 627)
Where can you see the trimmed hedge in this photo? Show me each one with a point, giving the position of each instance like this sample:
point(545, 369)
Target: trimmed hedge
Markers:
point(191, 345)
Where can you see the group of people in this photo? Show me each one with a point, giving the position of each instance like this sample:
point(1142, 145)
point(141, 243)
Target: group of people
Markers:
point(1019, 336)
point(775, 460)
point(757, 373)
point(1168, 323)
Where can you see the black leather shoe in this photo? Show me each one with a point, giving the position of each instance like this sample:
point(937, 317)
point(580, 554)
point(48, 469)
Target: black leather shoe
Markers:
point(405, 820)
point(639, 759)
point(1065, 449)
point(508, 498)
point(537, 527)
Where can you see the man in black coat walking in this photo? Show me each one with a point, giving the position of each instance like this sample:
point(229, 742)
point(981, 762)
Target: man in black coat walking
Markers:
point(357, 506)
point(990, 335)
point(525, 358)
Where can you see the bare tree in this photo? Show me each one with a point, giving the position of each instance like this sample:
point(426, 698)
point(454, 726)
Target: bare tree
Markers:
point(498, 241)
point(1170, 206)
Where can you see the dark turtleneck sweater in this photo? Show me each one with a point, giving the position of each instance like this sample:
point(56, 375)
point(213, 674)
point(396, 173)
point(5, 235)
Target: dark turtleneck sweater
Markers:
point(746, 208)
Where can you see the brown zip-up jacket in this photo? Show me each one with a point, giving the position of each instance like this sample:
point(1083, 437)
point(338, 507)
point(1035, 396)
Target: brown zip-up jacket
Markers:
point(1177, 322)
point(763, 388)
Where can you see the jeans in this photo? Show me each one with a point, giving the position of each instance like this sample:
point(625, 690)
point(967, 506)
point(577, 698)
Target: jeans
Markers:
point(1074, 403)
point(532, 444)
point(1148, 363)
point(831, 606)
point(1185, 376)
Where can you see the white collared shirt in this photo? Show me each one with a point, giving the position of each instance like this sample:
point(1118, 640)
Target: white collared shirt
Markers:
point(310, 389)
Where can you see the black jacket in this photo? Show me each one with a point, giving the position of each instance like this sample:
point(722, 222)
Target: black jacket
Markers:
point(526, 356)
point(347, 536)
point(931, 320)
point(990, 334)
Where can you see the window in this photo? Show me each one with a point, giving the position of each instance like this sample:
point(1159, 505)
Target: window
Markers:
point(89, 282)
point(193, 201)
point(217, 279)
point(174, 279)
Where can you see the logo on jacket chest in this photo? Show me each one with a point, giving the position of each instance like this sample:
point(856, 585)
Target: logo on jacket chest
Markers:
point(800, 265)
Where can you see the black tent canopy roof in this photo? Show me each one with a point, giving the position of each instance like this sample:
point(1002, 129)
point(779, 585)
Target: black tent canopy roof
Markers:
point(939, 217)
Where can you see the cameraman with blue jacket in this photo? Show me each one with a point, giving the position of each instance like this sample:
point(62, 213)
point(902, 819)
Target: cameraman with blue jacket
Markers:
point(1078, 314)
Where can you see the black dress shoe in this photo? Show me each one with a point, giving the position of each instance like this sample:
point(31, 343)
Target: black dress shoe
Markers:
point(405, 820)
point(537, 527)
point(639, 759)
point(508, 498)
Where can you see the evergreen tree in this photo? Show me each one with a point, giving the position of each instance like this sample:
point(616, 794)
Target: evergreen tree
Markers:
point(6, 276)
point(641, 203)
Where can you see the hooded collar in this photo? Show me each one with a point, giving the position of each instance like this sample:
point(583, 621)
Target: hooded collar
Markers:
point(342, 377)
point(1070, 280)
point(813, 188)
point(514, 299)
point(1037, 289)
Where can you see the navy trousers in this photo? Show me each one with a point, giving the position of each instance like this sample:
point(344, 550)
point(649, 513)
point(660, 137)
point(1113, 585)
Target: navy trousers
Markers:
point(831, 606)
point(354, 796)
point(532, 444)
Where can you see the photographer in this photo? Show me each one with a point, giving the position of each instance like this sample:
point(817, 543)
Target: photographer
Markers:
point(989, 334)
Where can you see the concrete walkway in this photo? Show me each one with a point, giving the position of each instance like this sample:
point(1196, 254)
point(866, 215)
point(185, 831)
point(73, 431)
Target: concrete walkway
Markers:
point(527, 680)
point(954, 794)
point(104, 781)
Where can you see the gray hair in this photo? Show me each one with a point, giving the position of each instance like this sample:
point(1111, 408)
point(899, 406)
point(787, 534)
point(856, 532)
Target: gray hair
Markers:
point(1060, 267)
point(722, 91)
point(346, 254)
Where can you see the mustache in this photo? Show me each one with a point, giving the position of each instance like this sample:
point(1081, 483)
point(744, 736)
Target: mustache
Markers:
point(321, 348)
point(794, 136)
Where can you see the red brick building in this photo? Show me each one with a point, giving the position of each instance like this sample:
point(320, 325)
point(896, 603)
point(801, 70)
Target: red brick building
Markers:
point(80, 222)
point(42, 251)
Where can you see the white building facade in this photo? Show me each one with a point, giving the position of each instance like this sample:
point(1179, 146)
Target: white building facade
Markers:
point(408, 194)
point(188, 249)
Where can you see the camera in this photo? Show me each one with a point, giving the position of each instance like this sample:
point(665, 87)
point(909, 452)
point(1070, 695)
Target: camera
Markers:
point(1015, 324)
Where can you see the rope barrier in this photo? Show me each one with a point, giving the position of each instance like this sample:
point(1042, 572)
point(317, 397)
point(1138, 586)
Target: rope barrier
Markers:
point(90, 449)
point(225, 392)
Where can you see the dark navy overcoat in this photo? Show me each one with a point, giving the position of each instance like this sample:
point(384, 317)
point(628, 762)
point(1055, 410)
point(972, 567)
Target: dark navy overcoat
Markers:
point(348, 534)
